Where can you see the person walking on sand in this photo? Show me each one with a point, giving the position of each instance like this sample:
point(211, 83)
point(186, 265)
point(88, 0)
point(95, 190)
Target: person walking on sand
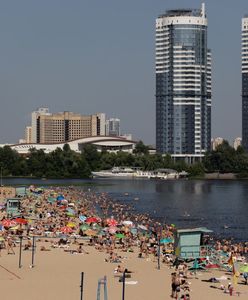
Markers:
point(10, 249)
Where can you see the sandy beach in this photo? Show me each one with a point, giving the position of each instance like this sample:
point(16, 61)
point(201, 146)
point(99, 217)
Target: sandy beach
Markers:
point(59, 261)
point(57, 275)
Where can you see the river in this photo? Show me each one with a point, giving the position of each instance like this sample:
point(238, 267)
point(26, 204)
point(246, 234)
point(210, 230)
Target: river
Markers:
point(219, 205)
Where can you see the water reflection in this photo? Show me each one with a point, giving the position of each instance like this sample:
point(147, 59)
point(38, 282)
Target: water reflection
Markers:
point(183, 186)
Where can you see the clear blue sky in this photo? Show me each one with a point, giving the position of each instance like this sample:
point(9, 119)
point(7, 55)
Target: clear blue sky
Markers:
point(92, 56)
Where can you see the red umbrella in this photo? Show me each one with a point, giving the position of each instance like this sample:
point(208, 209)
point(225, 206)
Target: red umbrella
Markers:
point(9, 223)
point(91, 220)
point(21, 221)
point(112, 222)
point(66, 229)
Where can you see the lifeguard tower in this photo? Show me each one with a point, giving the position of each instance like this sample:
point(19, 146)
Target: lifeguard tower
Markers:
point(189, 243)
point(21, 191)
point(13, 206)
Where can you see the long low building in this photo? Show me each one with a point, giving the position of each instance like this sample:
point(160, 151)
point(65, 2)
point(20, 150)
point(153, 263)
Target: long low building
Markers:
point(107, 143)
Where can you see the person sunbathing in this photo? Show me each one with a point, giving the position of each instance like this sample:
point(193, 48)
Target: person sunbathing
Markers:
point(81, 250)
point(43, 248)
point(120, 269)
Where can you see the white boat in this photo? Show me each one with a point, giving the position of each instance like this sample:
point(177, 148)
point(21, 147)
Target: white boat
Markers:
point(128, 172)
point(115, 172)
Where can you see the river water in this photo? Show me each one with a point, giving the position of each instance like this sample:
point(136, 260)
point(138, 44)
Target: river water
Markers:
point(219, 205)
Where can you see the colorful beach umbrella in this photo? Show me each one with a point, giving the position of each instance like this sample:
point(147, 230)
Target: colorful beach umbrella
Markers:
point(71, 224)
point(65, 229)
point(82, 218)
point(91, 220)
point(166, 241)
point(9, 223)
point(111, 222)
point(21, 221)
point(90, 232)
point(142, 227)
point(84, 227)
point(112, 229)
point(243, 269)
point(128, 223)
point(119, 235)
point(14, 228)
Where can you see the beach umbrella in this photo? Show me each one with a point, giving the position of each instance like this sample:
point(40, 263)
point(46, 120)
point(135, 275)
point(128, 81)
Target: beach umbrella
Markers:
point(14, 228)
point(82, 218)
point(90, 232)
point(65, 229)
point(243, 269)
point(70, 214)
point(51, 199)
point(101, 233)
point(84, 227)
point(128, 223)
point(134, 231)
point(96, 226)
point(21, 221)
point(119, 235)
point(64, 201)
point(91, 220)
point(71, 224)
point(166, 241)
point(8, 223)
point(111, 222)
point(112, 229)
point(142, 227)
point(60, 197)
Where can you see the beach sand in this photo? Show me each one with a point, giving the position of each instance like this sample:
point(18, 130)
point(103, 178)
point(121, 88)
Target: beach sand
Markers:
point(57, 274)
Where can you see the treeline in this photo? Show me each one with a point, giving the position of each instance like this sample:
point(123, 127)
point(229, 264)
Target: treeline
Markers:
point(65, 163)
point(225, 159)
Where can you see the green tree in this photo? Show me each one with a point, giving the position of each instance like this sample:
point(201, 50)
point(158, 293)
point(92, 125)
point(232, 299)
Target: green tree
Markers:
point(140, 148)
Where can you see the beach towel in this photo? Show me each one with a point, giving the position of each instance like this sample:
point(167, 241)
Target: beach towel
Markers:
point(131, 282)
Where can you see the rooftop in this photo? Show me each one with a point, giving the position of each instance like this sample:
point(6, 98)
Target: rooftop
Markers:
point(182, 12)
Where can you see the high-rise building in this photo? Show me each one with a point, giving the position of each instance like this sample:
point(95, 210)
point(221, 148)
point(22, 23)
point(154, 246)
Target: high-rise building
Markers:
point(237, 142)
point(183, 84)
point(113, 127)
point(35, 125)
point(215, 142)
point(245, 82)
point(65, 126)
point(28, 134)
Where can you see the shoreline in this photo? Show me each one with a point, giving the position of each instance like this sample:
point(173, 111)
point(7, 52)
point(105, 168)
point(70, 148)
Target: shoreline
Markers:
point(98, 257)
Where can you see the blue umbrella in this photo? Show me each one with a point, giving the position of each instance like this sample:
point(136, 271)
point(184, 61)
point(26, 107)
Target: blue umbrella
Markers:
point(166, 241)
point(134, 231)
point(82, 218)
point(60, 197)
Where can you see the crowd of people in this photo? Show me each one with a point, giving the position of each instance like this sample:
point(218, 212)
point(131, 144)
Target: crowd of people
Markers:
point(63, 216)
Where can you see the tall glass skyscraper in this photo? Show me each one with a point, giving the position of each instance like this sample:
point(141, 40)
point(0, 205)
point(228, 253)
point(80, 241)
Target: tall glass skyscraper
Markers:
point(245, 83)
point(183, 84)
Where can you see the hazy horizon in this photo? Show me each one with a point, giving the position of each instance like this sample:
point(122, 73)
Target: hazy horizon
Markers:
point(89, 57)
